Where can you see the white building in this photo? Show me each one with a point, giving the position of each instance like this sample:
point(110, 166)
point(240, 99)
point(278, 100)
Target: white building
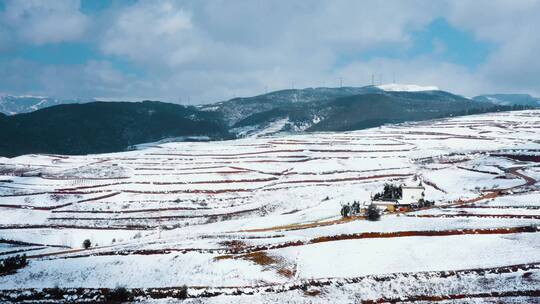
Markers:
point(412, 194)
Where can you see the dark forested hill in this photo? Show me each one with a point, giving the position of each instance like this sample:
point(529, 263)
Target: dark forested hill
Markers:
point(98, 127)
point(353, 110)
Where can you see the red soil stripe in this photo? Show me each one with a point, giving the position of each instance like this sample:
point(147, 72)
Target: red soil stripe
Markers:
point(345, 179)
point(23, 194)
point(374, 235)
point(280, 183)
point(429, 183)
point(512, 216)
point(233, 154)
point(21, 251)
point(495, 207)
point(155, 217)
point(535, 293)
point(366, 235)
point(356, 151)
point(130, 211)
point(478, 171)
point(21, 243)
point(257, 180)
point(123, 227)
point(48, 208)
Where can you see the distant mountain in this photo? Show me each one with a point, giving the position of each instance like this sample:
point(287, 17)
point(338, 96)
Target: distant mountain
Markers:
point(371, 110)
point(237, 109)
point(11, 105)
point(333, 109)
point(99, 127)
point(510, 99)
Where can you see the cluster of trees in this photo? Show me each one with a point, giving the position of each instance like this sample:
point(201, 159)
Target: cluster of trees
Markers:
point(12, 263)
point(390, 192)
point(348, 209)
point(372, 212)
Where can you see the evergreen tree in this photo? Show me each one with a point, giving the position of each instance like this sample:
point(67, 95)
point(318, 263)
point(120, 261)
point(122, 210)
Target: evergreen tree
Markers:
point(372, 213)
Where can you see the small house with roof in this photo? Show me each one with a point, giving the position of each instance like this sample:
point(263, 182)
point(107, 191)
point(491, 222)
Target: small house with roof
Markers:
point(395, 198)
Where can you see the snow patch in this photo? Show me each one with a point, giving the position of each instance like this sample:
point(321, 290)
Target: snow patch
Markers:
point(396, 87)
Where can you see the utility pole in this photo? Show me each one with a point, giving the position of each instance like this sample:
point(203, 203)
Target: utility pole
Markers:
point(341, 82)
point(372, 79)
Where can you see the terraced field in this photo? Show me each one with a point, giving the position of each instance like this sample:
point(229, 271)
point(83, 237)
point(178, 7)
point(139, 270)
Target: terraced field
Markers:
point(257, 219)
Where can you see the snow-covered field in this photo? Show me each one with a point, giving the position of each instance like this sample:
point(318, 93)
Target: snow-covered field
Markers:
point(258, 219)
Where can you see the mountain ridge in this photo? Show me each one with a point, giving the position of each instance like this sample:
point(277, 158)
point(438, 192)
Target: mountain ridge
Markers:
point(99, 127)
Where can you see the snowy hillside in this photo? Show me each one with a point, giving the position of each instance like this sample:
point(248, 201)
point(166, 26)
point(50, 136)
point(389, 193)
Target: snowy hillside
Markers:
point(11, 105)
point(257, 220)
point(396, 87)
point(510, 99)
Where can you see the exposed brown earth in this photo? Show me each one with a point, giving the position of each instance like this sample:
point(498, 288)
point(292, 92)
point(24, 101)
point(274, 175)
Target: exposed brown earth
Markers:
point(511, 216)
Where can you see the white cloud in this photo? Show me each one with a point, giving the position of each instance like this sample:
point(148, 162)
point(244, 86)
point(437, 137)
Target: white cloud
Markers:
point(513, 27)
point(152, 33)
point(215, 50)
point(41, 21)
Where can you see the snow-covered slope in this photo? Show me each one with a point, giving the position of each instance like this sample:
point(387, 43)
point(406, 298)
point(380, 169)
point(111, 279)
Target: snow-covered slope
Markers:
point(396, 87)
point(11, 105)
point(257, 220)
point(510, 99)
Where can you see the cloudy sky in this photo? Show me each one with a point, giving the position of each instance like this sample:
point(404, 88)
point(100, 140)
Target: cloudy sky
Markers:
point(205, 51)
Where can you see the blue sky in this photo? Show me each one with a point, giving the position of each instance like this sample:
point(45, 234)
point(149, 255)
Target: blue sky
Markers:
point(204, 51)
point(437, 39)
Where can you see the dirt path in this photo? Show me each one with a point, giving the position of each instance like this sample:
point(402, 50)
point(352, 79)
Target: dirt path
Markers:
point(292, 227)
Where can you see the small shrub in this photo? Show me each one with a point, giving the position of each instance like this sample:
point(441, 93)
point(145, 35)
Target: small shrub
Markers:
point(13, 263)
point(345, 211)
point(86, 244)
point(118, 295)
point(56, 293)
point(183, 293)
point(372, 213)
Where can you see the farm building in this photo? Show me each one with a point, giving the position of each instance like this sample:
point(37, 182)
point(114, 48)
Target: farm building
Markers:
point(393, 198)
point(412, 194)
